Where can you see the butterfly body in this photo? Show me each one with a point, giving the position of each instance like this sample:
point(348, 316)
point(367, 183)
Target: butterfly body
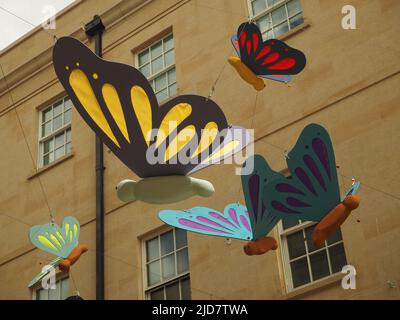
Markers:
point(260, 246)
point(271, 59)
point(165, 189)
point(73, 257)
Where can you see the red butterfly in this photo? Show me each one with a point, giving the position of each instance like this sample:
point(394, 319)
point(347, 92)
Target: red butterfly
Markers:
point(272, 59)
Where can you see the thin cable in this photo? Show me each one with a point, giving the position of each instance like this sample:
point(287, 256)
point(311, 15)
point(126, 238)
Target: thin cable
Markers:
point(28, 22)
point(27, 144)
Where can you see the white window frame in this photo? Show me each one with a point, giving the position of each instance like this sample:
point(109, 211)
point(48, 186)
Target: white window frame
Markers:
point(165, 70)
point(162, 283)
point(59, 278)
point(53, 134)
point(268, 11)
point(286, 259)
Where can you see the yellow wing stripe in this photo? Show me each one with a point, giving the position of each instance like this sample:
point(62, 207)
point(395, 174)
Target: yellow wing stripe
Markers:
point(66, 229)
point(60, 236)
point(111, 98)
point(55, 240)
point(181, 139)
point(46, 242)
point(228, 148)
point(75, 230)
point(172, 120)
point(208, 135)
point(84, 92)
point(142, 108)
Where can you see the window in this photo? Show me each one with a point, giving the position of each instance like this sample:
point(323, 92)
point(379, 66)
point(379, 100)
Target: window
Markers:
point(55, 132)
point(157, 63)
point(61, 292)
point(303, 263)
point(167, 266)
point(276, 17)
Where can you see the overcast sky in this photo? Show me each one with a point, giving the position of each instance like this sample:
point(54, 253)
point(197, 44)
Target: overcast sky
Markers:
point(13, 28)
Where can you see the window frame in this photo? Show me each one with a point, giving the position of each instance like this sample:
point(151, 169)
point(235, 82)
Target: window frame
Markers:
point(162, 283)
point(268, 11)
point(165, 70)
point(284, 250)
point(59, 278)
point(53, 134)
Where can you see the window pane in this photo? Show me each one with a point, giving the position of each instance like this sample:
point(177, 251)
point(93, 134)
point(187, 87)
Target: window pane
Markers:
point(281, 29)
point(185, 289)
point(168, 266)
point(46, 129)
point(68, 135)
point(278, 15)
point(57, 108)
point(145, 70)
point(160, 82)
point(42, 294)
point(144, 57)
point(157, 294)
point(296, 244)
point(162, 95)
point(169, 58)
point(156, 50)
point(293, 7)
point(171, 76)
point(167, 242)
point(168, 43)
point(310, 244)
point(181, 238)
point(67, 104)
point(60, 140)
point(46, 115)
point(264, 23)
point(152, 250)
point(296, 20)
point(258, 6)
point(67, 116)
point(153, 273)
point(288, 223)
point(337, 256)
point(172, 291)
point(300, 272)
point(337, 236)
point(48, 146)
point(182, 260)
point(48, 158)
point(172, 90)
point(64, 289)
point(59, 153)
point(54, 294)
point(57, 122)
point(268, 35)
point(157, 65)
point(319, 265)
point(68, 147)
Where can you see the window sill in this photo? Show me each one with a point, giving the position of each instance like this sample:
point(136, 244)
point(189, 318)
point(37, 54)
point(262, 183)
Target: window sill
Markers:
point(50, 166)
point(294, 31)
point(314, 286)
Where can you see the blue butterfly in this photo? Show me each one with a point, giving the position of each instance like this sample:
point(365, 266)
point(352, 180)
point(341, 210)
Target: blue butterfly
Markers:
point(311, 192)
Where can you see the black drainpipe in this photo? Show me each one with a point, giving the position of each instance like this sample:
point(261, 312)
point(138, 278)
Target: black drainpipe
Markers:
point(95, 29)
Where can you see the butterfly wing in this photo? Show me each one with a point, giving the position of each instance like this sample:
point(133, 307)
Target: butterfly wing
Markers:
point(55, 240)
point(235, 43)
point(232, 223)
point(253, 183)
point(313, 189)
point(45, 272)
point(271, 57)
point(279, 78)
point(352, 190)
point(118, 103)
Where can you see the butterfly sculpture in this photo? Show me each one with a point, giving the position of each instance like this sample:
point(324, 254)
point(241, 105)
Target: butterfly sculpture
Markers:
point(311, 192)
point(61, 242)
point(251, 222)
point(257, 59)
point(162, 144)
